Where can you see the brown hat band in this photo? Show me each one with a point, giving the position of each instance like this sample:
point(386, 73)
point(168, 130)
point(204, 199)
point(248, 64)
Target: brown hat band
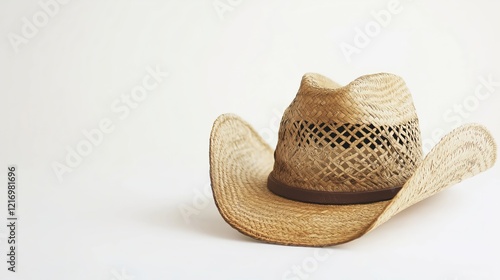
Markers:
point(326, 197)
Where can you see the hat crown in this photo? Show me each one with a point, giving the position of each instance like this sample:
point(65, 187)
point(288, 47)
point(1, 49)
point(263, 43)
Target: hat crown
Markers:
point(361, 137)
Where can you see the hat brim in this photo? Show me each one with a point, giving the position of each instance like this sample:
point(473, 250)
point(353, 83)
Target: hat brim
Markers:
point(240, 162)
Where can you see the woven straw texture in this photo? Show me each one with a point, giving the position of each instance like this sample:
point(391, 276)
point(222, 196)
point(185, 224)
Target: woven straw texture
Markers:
point(360, 137)
point(241, 161)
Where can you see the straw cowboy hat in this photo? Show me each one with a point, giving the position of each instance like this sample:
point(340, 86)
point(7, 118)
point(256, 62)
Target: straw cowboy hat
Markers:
point(347, 160)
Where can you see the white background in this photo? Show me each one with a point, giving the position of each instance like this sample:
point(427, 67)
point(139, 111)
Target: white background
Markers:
point(117, 214)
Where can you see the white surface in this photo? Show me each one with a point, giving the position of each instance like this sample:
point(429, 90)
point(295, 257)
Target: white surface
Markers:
point(117, 213)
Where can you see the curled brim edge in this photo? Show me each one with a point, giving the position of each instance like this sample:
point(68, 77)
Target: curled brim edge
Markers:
point(240, 161)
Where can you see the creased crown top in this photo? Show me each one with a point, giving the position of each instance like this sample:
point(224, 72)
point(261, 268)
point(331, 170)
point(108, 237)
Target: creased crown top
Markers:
point(378, 99)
